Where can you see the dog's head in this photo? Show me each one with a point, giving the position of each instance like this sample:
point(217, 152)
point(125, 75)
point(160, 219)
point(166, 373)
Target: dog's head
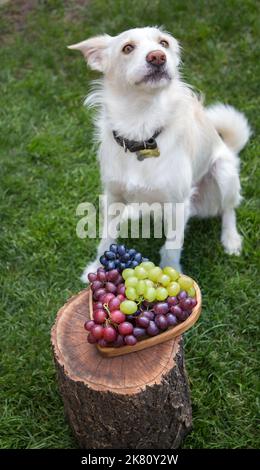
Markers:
point(141, 57)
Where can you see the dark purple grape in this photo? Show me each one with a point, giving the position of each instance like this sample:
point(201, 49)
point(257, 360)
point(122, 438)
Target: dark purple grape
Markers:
point(171, 319)
point(161, 322)
point(110, 255)
point(92, 277)
point(137, 332)
point(128, 264)
point(161, 308)
point(103, 343)
point(194, 302)
point(130, 340)
point(119, 341)
point(142, 321)
point(110, 287)
point(117, 264)
point(113, 248)
point(119, 280)
point(172, 301)
point(149, 314)
point(138, 257)
point(182, 316)
point(122, 266)
point(182, 295)
point(152, 329)
point(96, 285)
point(132, 252)
point(176, 310)
point(134, 264)
point(121, 249)
point(125, 258)
point(110, 265)
point(186, 304)
point(103, 260)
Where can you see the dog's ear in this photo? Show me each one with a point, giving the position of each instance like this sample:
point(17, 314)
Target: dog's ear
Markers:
point(94, 51)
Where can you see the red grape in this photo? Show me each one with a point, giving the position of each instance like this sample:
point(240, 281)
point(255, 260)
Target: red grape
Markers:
point(125, 328)
point(121, 289)
point(109, 334)
point(130, 340)
point(114, 304)
point(88, 325)
point(117, 316)
point(99, 316)
point(121, 297)
point(182, 295)
point(92, 277)
point(112, 275)
point(107, 297)
point(96, 285)
point(101, 276)
point(110, 287)
point(97, 305)
point(98, 294)
point(91, 339)
point(97, 331)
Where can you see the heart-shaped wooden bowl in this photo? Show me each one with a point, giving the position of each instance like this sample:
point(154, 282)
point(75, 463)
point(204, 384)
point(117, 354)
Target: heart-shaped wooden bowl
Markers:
point(148, 342)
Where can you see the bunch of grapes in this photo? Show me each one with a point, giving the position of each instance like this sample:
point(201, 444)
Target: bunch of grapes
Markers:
point(119, 257)
point(138, 302)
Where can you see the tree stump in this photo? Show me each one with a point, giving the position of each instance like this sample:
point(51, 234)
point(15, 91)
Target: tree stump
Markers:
point(140, 400)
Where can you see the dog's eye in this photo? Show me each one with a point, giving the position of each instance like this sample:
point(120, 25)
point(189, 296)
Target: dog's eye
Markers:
point(128, 48)
point(164, 43)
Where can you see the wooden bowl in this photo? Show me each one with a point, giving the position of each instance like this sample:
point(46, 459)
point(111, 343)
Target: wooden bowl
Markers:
point(148, 342)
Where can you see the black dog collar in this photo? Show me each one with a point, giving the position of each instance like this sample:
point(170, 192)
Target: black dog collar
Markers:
point(143, 149)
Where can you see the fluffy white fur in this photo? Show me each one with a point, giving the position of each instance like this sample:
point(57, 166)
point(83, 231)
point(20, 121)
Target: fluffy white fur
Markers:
point(198, 164)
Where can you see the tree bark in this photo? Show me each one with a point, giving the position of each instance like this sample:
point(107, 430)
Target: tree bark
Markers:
point(140, 400)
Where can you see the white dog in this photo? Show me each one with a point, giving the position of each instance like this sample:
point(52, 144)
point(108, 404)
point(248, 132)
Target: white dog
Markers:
point(144, 104)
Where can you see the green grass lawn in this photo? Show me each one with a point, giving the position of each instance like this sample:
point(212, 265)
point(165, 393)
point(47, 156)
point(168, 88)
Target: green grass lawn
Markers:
point(48, 166)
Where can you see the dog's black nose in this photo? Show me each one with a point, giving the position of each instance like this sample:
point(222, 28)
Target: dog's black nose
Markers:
point(156, 58)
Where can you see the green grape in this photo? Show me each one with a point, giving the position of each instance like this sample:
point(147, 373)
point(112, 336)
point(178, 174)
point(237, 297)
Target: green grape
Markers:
point(149, 283)
point(140, 272)
point(128, 273)
point(173, 289)
point(147, 265)
point(164, 280)
point(191, 292)
point(154, 273)
point(171, 272)
point(161, 293)
point(185, 282)
point(140, 288)
point(150, 294)
point(128, 307)
point(131, 281)
point(130, 293)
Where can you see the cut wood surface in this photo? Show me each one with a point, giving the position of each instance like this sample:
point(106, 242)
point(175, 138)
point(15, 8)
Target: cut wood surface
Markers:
point(133, 401)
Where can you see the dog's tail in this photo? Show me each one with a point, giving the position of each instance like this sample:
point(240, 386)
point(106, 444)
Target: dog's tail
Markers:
point(232, 125)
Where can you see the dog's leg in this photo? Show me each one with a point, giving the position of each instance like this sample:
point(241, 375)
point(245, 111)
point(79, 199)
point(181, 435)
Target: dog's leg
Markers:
point(230, 238)
point(171, 256)
point(227, 177)
point(105, 241)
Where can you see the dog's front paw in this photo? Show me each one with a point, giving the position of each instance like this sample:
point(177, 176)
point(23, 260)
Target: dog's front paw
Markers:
point(232, 243)
point(170, 258)
point(90, 268)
